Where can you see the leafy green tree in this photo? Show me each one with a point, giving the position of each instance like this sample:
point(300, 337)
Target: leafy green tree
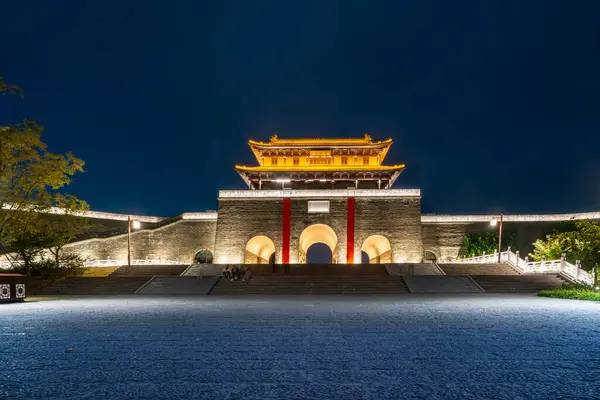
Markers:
point(30, 178)
point(486, 242)
point(582, 243)
point(10, 89)
point(61, 228)
point(26, 239)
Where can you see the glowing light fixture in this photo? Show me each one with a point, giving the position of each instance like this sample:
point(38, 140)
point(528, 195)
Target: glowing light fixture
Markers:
point(135, 225)
point(494, 222)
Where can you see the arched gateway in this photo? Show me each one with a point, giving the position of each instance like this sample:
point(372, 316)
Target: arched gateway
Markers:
point(318, 233)
point(259, 250)
point(378, 249)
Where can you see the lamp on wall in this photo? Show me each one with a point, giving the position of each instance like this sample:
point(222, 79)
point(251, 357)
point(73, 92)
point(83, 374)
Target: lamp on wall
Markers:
point(494, 222)
point(136, 225)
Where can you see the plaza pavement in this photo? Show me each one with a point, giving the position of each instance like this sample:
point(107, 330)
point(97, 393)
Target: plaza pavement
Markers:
point(301, 347)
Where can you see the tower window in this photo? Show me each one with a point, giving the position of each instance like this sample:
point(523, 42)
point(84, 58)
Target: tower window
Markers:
point(365, 160)
point(296, 161)
point(319, 161)
point(273, 161)
point(344, 160)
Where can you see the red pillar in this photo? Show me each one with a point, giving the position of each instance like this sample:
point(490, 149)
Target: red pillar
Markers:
point(285, 249)
point(350, 233)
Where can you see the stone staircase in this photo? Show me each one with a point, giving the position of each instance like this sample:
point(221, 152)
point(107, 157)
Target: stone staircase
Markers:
point(518, 283)
point(95, 286)
point(289, 284)
point(478, 269)
point(149, 270)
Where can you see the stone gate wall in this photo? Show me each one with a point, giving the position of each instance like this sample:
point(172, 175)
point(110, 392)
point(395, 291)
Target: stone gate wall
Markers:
point(398, 219)
point(240, 219)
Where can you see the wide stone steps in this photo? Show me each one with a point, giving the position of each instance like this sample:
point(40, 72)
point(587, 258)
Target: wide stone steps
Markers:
point(149, 270)
point(312, 285)
point(518, 283)
point(477, 269)
point(107, 285)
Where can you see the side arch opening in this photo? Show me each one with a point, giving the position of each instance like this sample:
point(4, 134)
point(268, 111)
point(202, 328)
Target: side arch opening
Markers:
point(378, 249)
point(260, 250)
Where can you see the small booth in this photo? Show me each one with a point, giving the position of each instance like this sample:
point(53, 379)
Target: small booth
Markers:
point(12, 287)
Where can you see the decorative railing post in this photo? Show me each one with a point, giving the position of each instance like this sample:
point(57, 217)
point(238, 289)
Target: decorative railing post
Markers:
point(526, 266)
point(543, 263)
point(508, 255)
point(517, 258)
point(563, 256)
point(578, 265)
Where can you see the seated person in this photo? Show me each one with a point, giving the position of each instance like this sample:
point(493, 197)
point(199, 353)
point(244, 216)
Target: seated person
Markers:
point(227, 272)
point(247, 273)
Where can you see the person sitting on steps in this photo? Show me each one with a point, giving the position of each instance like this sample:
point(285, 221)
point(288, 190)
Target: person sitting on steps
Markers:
point(247, 274)
point(227, 272)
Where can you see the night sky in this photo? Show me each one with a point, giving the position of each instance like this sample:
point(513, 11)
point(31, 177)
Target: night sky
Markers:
point(494, 106)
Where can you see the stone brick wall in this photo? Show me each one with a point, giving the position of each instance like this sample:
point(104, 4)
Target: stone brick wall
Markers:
point(446, 240)
point(397, 219)
point(242, 219)
point(179, 240)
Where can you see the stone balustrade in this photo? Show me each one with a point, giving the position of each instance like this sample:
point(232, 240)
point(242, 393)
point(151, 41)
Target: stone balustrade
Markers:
point(524, 266)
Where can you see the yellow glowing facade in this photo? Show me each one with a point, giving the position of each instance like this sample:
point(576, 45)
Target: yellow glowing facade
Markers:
point(299, 162)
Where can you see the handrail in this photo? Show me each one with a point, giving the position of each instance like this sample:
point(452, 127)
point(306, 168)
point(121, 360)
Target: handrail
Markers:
point(571, 271)
point(103, 263)
point(121, 263)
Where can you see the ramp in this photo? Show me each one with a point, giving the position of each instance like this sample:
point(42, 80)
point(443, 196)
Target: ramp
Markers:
point(441, 284)
point(178, 285)
point(477, 269)
point(203, 270)
point(413, 269)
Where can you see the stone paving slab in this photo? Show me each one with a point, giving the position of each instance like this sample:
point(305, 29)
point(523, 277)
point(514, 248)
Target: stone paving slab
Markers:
point(441, 284)
point(473, 346)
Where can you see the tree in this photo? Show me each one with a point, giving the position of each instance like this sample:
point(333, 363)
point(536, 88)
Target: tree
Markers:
point(26, 238)
point(10, 89)
point(64, 227)
point(582, 243)
point(30, 178)
point(486, 242)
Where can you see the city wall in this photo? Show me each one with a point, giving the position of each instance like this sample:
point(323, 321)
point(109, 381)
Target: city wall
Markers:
point(245, 214)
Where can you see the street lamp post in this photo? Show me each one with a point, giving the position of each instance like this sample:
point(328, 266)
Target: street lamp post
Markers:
point(136, 225)
point(128, 241)
point(494, 222)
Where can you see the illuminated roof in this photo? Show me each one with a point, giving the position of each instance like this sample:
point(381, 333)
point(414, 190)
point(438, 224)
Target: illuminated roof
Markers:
point(319, 168)
point(275, 142)
point(365, 141)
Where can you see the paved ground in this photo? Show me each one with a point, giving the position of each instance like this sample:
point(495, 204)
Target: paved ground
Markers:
point(403, 347)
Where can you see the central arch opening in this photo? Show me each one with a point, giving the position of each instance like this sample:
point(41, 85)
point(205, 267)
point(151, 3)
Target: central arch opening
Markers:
point(318, 233)
point(319, 253)
point(260, 250)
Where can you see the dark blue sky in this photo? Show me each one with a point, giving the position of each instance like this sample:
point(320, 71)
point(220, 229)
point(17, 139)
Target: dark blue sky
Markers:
point(493, 105)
